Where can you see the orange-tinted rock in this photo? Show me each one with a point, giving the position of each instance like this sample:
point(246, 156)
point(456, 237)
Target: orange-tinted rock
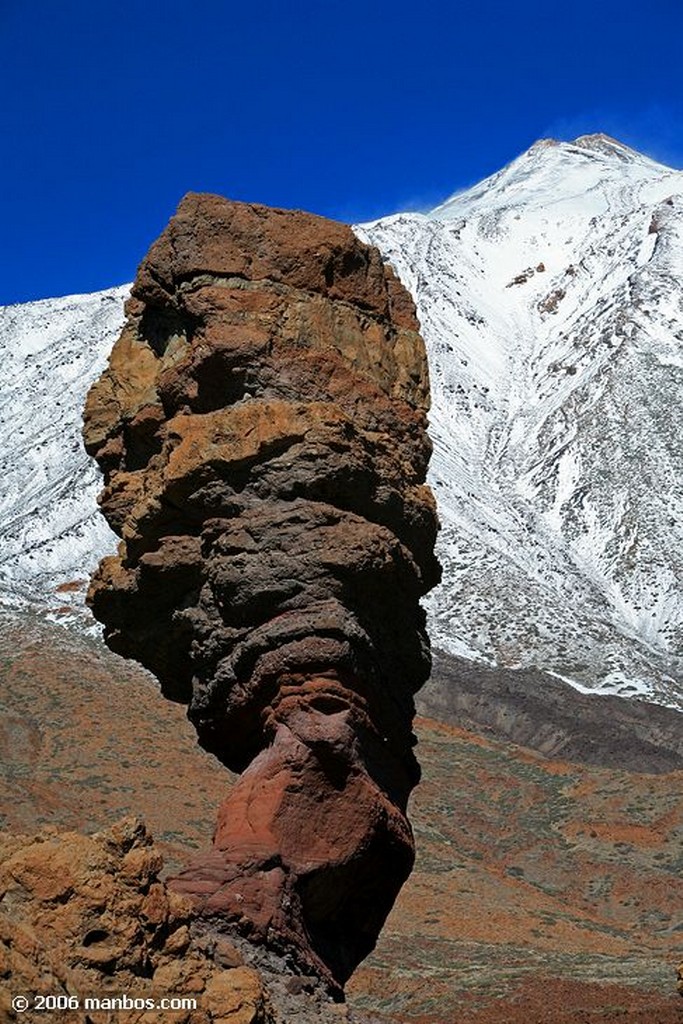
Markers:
point(262, 431)
point(85, 916)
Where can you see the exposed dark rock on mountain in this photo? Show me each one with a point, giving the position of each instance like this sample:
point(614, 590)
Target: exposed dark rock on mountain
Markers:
point(262, 431)
point(535, 709)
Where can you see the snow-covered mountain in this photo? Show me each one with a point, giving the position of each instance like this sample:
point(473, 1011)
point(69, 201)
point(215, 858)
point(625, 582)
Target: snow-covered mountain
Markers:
point(51, 531)
point(551, 301)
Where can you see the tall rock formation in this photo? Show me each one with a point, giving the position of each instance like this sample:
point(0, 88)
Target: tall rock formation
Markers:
point(261, 428)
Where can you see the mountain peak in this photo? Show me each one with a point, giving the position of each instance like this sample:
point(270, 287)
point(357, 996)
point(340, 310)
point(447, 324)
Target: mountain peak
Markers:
point(606, 145)
point(553, 170)
point(598, 142)
point(549, 297)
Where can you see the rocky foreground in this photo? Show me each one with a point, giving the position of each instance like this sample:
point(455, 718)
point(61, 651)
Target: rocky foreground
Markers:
point(544, 892)
point(87, 926)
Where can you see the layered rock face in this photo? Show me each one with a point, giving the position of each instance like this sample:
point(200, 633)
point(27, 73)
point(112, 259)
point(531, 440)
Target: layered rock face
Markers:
point(262, 432)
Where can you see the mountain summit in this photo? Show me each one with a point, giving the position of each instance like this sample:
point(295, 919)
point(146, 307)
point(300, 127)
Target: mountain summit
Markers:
point(551, 302)
point(601, 143)
point(550, 298)
point(552, 171)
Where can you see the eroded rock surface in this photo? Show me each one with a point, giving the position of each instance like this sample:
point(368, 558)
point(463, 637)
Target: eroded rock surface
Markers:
point(262, 431)
point(90, 933)
point(87, 917)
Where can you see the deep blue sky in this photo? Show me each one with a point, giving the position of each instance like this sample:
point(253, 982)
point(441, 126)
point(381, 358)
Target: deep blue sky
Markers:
point(111, 111)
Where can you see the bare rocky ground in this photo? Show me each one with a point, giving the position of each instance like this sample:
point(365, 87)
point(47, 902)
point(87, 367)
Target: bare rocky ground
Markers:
point(545, 891)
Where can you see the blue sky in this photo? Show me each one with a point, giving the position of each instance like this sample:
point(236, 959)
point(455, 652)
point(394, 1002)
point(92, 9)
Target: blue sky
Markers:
point(111, 111)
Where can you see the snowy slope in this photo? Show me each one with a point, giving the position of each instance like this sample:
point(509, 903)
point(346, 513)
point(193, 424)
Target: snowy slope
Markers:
point(51, 532)
point(551, 298)
point(551, 301)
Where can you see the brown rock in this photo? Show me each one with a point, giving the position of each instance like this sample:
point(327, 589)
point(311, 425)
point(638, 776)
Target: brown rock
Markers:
point(235, 996)
point(94, 935)
point(262, 431)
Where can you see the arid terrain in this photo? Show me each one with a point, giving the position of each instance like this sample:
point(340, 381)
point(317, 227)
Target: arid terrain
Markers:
point(534, 877)
point(544, 890)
